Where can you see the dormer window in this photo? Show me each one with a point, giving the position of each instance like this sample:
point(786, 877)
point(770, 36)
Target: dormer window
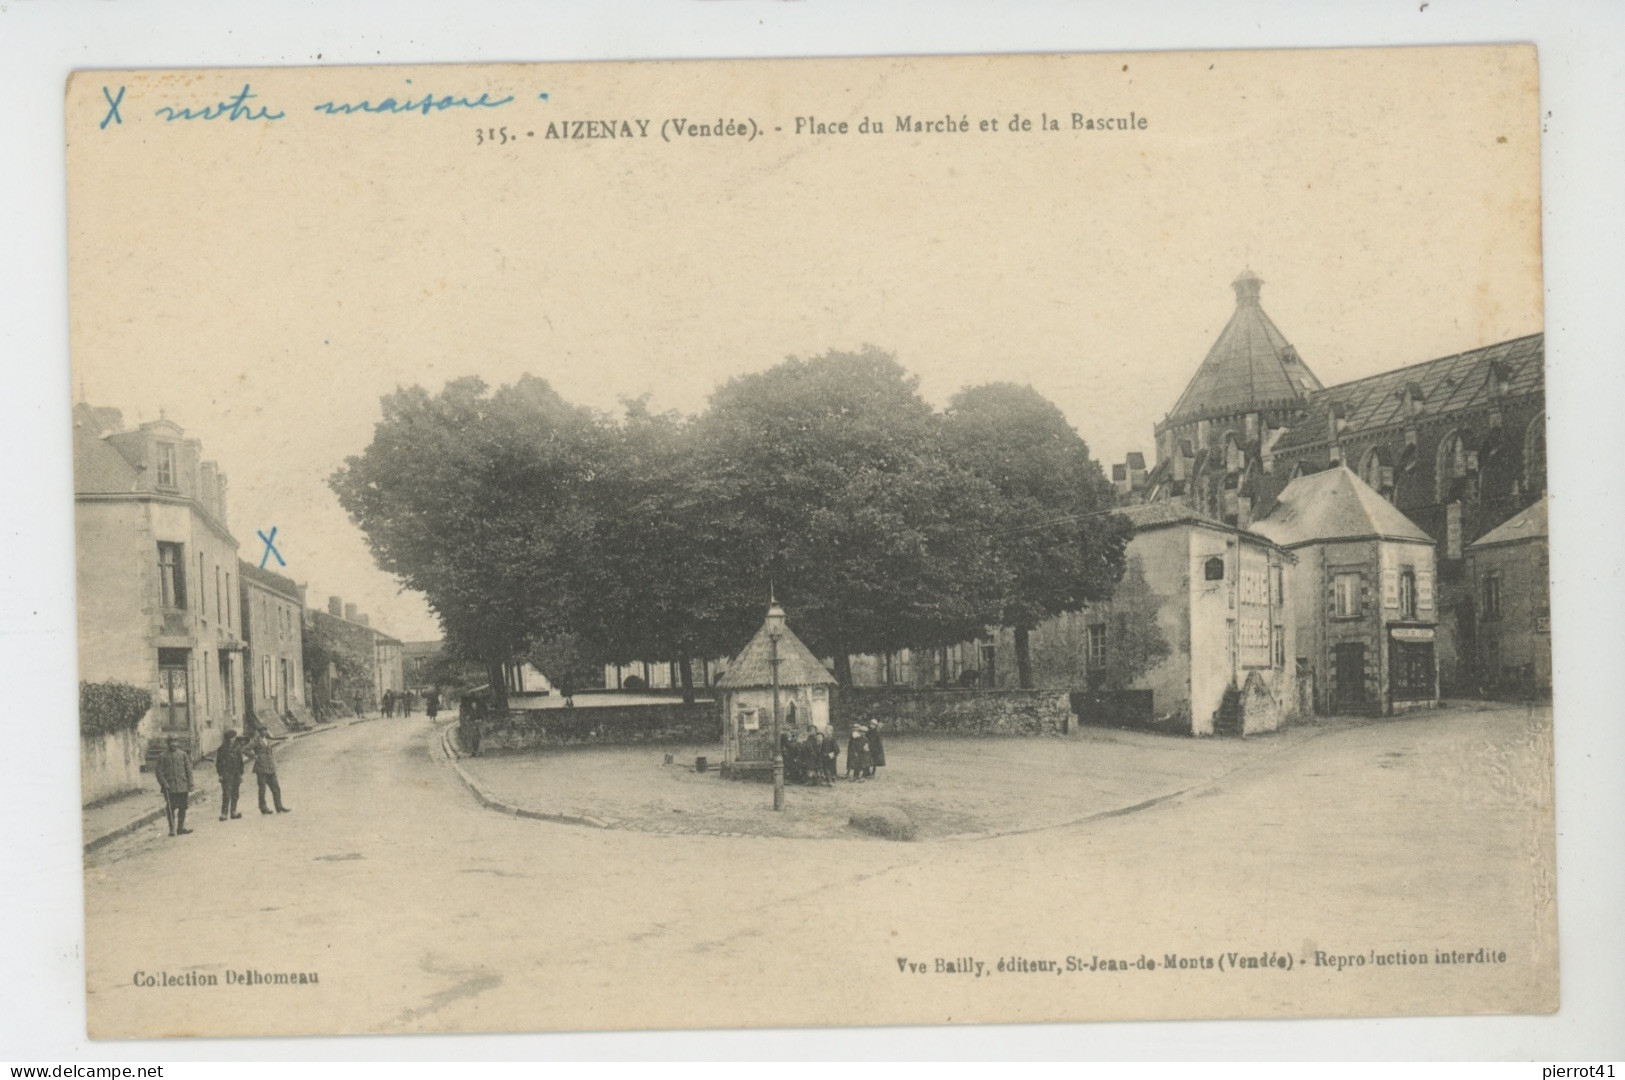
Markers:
point(166, 465)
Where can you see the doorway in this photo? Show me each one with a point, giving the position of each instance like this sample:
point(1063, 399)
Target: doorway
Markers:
point(1348, 684)
point(175, 691)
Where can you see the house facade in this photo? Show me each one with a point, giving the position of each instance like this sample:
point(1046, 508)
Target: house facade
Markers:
point(273, 616)
point(157, 572)
point(1364, 594)
point(1508, 575)
point(349, 664)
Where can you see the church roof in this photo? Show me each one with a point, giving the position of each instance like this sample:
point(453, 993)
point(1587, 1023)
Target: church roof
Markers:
point(1334, 504)
point(1466, 380)
point(1527, 524)
point(754, 664)
point(1250, 367)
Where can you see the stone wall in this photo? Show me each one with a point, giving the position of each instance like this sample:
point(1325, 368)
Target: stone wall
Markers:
point(957, 712)
point(109, 765)
point(699, 724)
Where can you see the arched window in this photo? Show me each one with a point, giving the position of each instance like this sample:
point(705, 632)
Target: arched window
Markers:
point(1376, 471)
point(1534, 457)
point(1451, 467)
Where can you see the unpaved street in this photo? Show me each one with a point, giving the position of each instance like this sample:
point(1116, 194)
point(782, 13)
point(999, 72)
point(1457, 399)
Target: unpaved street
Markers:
point(419, 910)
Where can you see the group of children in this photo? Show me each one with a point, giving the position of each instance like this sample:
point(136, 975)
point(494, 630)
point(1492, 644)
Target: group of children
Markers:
point(813, 758)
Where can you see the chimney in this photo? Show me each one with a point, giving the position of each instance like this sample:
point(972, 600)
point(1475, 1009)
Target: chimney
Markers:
point(302, 602)
point(363, 620)
point(335, 606)
point(220, 496)
point(349, 613)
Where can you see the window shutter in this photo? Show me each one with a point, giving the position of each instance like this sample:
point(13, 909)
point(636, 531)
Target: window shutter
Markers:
point(1424, 590)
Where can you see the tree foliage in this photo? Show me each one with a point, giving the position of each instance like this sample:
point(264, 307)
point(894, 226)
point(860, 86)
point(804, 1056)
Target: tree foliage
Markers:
point(109, 707)
point(1058, 546)
point(830, 479)
point(539, 529)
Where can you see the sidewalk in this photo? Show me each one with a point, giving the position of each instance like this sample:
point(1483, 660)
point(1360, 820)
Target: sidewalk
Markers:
point(129, 813)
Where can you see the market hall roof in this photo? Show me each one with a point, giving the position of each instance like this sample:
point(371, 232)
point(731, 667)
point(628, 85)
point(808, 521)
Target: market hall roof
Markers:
point(1527, 524)
point(754, 664)
point(1249, 368)
point(1335, 504)
point(1466, 380)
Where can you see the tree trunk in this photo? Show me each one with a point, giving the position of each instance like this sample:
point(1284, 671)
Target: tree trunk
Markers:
point(685, 669)
point(843, 668)
point(1024, 660)
point(942, 667)
point(498, 677)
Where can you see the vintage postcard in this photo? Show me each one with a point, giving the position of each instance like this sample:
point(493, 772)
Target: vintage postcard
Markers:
point(812, 542)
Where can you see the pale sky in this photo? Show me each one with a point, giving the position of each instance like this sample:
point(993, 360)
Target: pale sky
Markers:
point(264, 282)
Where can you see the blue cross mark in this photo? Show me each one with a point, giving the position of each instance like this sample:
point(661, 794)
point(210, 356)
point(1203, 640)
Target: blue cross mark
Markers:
point(270, 548)
point(112, 112)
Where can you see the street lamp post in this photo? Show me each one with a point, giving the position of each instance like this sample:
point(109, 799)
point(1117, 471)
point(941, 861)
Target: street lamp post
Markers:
point(778, 746)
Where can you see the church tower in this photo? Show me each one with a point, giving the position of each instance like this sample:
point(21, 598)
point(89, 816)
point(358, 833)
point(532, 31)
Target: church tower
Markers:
point(1218, 436)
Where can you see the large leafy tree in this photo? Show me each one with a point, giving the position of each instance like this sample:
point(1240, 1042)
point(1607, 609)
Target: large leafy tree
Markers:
point(479, 500)
point(1057, 546)
point(828, 480)
point(661, 572)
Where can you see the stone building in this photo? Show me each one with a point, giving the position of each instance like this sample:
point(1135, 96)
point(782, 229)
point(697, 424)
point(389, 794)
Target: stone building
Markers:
point(273, 617)
point(1362, 590)
point(1508, 575)
point(349, 664)
point(157, 600)
point(1457, 444)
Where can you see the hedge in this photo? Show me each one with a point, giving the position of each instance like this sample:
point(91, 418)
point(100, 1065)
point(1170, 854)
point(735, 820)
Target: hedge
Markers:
point(108, 707)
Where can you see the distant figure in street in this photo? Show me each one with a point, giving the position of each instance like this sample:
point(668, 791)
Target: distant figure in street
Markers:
point(174, 772)
point(407, 700)
point(830, 751)
point(431, 703)
point(389, 704)
point(877, 749)
point(228, 766)
point(264, 758)
point(857, 754)
point(567, 690)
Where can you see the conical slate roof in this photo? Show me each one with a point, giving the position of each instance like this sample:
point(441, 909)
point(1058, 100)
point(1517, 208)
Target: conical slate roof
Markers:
point(754, 664)
point(1334, 505)
point(1250, 366)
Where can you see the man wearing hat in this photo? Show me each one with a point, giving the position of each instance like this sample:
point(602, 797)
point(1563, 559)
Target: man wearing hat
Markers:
point(265, 770)
point(857, 753)
point(228, 765)
point(174, 772)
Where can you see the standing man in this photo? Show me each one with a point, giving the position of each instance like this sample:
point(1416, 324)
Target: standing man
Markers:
point(408, 699)
point(228, 765)
point(877, 749)
point(174, 773)
point(265, 770)
point(389, 704)
point(431, 703)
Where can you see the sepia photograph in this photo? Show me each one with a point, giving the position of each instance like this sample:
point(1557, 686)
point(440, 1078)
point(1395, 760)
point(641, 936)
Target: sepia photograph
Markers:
point(807, 543)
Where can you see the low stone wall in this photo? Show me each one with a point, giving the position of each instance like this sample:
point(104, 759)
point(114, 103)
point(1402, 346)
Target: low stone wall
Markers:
point(668, 722)
point(109, 765)
point(957, 712)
